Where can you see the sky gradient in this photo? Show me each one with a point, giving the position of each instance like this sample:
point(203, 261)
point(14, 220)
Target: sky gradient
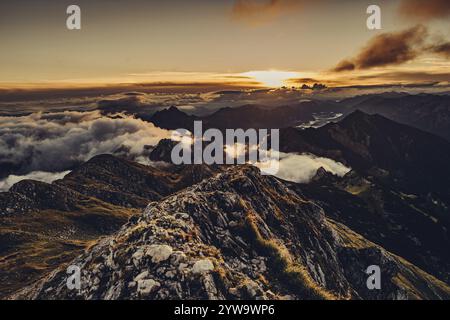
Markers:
point(229, 42)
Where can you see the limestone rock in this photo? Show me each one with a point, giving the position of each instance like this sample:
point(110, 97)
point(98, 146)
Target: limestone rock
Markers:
point(202, 266)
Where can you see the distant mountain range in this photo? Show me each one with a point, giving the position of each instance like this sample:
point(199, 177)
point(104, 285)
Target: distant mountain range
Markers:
point(229, 232)
point(414, 159)
point(245, 117)
point(424, 111)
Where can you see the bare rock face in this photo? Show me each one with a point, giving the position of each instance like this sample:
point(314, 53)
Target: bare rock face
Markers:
point(147, 286)
point(159, 253)
point(202, 266)
point(237, 235)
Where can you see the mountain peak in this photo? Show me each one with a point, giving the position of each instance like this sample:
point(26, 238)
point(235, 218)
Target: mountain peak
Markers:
point(174, 109)
point(357, 115)
point(172, 119)
point(104, 158)
point(231, 237)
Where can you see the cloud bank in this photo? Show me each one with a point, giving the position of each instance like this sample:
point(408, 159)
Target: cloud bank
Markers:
point(47, 177)
point(301, 168)
point(55, 142)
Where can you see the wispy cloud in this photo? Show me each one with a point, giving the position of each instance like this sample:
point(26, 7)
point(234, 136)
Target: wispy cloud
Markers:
point(256, 13)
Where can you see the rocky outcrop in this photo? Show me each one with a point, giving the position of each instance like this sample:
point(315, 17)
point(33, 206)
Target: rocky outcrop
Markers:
point(237, 235)
point(48, 196)
point(45, 225)
point(119, 181)
point(163, 151)
point(11, 202)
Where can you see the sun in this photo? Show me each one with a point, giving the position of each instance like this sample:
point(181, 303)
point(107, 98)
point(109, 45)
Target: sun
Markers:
point(271, 78)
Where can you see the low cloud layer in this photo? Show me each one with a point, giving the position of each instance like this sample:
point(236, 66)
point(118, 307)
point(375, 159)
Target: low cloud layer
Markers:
point(425, 10)
point(301, 168)
point(47, 177)
point(55, 142)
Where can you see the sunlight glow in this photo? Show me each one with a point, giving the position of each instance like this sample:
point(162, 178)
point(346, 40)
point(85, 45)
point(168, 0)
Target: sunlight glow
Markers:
point(272, 78)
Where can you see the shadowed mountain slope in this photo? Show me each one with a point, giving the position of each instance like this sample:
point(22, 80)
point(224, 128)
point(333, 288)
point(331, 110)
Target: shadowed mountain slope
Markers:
point(237, 235)
point(45, 225)
point(245, 117)
point(424, 111)
point(415, 227)
point(414, 159)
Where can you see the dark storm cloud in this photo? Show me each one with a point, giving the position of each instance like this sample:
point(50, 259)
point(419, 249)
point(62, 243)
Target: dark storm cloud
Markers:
point(425, 10)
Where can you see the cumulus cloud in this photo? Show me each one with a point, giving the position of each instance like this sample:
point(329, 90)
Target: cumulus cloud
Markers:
point(47, 177)
point(388, 49)
point(259, 12)
point(55, 142)
point(425, 10)
point(301, 168)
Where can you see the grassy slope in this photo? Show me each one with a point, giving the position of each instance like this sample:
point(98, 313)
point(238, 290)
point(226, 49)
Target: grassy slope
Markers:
point(35, 243)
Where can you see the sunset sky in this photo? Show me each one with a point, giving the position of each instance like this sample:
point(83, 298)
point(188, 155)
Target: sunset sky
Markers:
point(230, 42)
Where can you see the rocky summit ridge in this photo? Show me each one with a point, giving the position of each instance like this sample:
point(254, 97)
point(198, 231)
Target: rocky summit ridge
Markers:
point(236, 235)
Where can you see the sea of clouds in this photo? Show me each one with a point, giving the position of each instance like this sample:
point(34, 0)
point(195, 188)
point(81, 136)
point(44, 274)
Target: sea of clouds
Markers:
point(46, 145)
point(56, 142)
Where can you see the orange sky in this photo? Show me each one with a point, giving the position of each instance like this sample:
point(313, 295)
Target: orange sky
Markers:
point(234, 43)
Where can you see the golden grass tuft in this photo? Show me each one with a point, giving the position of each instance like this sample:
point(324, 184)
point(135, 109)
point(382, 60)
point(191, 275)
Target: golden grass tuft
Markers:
point(290, 274)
